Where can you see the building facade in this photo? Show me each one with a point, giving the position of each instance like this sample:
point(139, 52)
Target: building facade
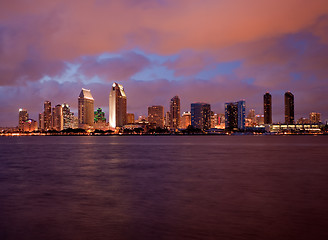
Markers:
point(130, 118)
point(185, 120)
point(267, 104)
point(68, 117)
point(289, 108)
point(175, 113)
point(117, 106)
point(47, 125)
point(156, 115)
point(201, 115)
point(235, 115)
point(85, 109)
point(22, 118)
point(315, 117)
point(214, 120)
point(57, 118)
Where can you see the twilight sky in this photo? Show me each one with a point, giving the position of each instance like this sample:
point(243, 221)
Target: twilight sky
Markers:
point(212, 51)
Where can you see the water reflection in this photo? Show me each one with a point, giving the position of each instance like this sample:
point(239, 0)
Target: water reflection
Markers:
point(163, 187)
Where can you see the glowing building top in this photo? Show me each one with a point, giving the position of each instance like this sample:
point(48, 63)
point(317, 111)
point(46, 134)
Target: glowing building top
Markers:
point(117, 106)
point(86, 94)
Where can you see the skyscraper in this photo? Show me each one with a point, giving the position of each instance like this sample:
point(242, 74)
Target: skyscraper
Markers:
point(185, 120)
point(100, 120)
point(235, 115)
point(201, 115)
point(156, 115)
point(175, 113)
point(41, 121)
point(57, 118)
point(267, 103)
point(117, 106)
point(68, 117)
point(22, 118)
point(85, 109)
point(130, 118)
point(214, 120)
point(289, 108)
point(315, 117)
point(47, 116)
point(167, 120)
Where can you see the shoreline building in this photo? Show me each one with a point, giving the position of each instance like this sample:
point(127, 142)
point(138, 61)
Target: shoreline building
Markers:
point(85, 109)
point(185, 120)
point(201, 115)
point(68, 117)
point(235, 115)
point(214, 120)
point(47, 125)
point(57, 118)
point(175, 113)
point(100, 119)
point(117, 106)
point(289, 108)
point(30, 125)
point(315, 117)
point(130, 118)
point(41, 121)
point(156, 115)
point(267, 104)
point(167, 119)
point(22, 118)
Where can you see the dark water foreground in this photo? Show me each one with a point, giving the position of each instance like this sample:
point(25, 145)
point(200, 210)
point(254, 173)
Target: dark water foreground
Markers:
point(164, 187)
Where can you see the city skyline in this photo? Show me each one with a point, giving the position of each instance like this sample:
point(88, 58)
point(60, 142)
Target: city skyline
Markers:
point(88, 114)
point(49, 51)
point(200, 115)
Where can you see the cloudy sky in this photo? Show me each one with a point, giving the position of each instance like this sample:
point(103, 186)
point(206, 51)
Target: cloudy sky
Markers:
point(211, 51)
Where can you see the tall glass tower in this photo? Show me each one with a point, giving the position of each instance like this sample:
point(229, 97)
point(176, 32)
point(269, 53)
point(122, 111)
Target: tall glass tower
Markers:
point(156, 115)
point(175, 113)
point(22, 118)
point(267, 104)
point(85, 109)
point(289, 108)
point(47, 118)
point(201, 115)
point(117, 106)
point(235, 115)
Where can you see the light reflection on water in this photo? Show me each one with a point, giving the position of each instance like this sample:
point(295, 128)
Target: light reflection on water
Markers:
point(164, 187)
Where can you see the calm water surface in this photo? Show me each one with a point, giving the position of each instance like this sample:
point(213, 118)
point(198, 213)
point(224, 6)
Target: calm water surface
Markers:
point(164, 187)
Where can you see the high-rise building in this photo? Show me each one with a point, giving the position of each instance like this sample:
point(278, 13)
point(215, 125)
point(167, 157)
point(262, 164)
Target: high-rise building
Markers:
point(99, 116)
point(289, 108)
point(130, 118)
point(175, 113)
point(100, 120)
point(167, 119)
point(259, 119)
point(214, 120)
point(267, 104)
point(235, 115)
point(156, 115)
point(30, 125)
point(221, 121)
point(68, 117)
point(57, 118)
point(85, 109)
point(117, 106)
point(41, 121)
point(201, 115)
point(185, 120)
point(47, 116)
point(22, 118)
point(250, 121)
point(315, 117)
